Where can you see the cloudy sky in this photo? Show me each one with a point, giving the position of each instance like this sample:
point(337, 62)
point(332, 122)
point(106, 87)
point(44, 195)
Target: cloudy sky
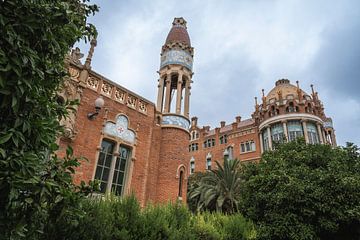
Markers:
point(240, 48)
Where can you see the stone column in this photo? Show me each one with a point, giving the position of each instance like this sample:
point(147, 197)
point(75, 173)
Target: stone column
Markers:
point(168, 94)
point(305, 130)
point(285, 130)
point(187, 97)
point(324, 136)
point(160, 94)
point(269, 137)
point(112, 168)
point(261, 143)
point(179, 92)
point(320, 133)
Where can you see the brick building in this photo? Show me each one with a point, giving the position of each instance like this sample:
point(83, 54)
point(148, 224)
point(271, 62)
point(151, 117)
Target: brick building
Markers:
point(135, 145)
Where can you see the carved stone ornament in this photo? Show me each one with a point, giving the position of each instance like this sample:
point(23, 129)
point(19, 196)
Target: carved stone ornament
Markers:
point(119, 95)
point(76, 55)
point(142, 106)
point(93, 82)
point(120, 129)
point(74, 73)
point(106, 88)
point(131, 101)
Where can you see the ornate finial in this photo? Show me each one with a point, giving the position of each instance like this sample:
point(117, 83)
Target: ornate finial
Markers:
point(263, 97)
point(179, 22)
point(256, 105)
point(93, 44)
point(299, 91)
point(312, 89)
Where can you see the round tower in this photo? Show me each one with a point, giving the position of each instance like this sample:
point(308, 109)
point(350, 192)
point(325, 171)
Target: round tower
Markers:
point(287, 112)
point(173, 110)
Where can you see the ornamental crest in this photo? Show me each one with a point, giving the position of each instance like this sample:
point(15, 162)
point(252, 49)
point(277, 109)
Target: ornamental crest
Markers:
point(120, 129)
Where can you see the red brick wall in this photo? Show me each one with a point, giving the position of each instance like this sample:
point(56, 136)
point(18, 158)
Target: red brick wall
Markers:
point(173, 153)
point(88, 141)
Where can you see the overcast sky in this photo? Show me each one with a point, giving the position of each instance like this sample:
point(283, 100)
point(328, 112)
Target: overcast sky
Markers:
point(240, 48)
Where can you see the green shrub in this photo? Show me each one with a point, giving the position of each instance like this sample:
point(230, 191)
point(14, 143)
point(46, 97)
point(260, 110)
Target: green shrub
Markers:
point(237, 227)
point(119, 218)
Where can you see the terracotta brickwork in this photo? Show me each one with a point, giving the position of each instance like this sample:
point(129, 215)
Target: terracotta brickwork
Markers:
point(134, 145)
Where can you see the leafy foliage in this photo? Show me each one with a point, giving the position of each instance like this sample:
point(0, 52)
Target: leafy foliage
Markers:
point(35, 185)
point(121, 218)
point(219, 189)
point(303, 191)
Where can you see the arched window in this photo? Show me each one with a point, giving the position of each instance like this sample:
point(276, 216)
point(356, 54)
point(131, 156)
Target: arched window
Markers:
point(111, 169)
point(273, 111)
point(192, 165)
point(277, 132)
point(223, 139)
point(114, 156)
point(208, 161)
point(291, 108)
point(265, 140)
point(181, 179)
point(295, 130)
point(312, 133)
point(229, 152)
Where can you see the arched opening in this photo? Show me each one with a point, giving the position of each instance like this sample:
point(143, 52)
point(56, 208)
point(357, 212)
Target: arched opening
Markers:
point(291, 108)
point(181, 179)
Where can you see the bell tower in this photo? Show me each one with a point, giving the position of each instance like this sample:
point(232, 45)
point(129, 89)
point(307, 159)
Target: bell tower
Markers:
point(175, 71)
point(173, 108)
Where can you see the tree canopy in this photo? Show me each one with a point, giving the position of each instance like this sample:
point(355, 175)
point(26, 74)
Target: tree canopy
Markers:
point(35, 37)
point(304, 191)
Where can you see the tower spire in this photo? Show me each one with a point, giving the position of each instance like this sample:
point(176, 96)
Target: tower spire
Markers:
point(175, 71)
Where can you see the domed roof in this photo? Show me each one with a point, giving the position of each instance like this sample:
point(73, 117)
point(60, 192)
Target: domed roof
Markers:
point(283, 87)
point(178, 32)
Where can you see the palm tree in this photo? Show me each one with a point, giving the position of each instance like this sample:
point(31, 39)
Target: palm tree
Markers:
point(219, 190)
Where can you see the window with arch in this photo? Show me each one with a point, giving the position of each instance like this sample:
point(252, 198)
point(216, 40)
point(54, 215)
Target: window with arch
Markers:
point(308, 108)
point(266, 144)
point(273, 111)
point(192, 165)
point(294, 129)
point(277, 133)
point(229, 152)
point(312, 133)
point(291, 108)
point(181, 179)
point(194, 135)
point(115, 155)
point(223, 139)
point(208, 162)
point(111, 166)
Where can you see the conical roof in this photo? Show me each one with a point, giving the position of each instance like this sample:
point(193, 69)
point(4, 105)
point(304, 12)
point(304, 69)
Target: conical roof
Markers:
point(178, 32)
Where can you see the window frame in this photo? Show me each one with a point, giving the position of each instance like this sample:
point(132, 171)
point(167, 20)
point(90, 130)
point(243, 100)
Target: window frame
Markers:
point(117, 146)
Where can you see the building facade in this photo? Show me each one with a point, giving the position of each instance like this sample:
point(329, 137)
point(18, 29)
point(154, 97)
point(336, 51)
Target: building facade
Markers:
point(134, 145)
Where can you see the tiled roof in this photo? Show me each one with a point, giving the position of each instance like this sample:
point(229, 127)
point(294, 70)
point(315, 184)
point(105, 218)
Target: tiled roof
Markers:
point(244, 123)
point(178, 34)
